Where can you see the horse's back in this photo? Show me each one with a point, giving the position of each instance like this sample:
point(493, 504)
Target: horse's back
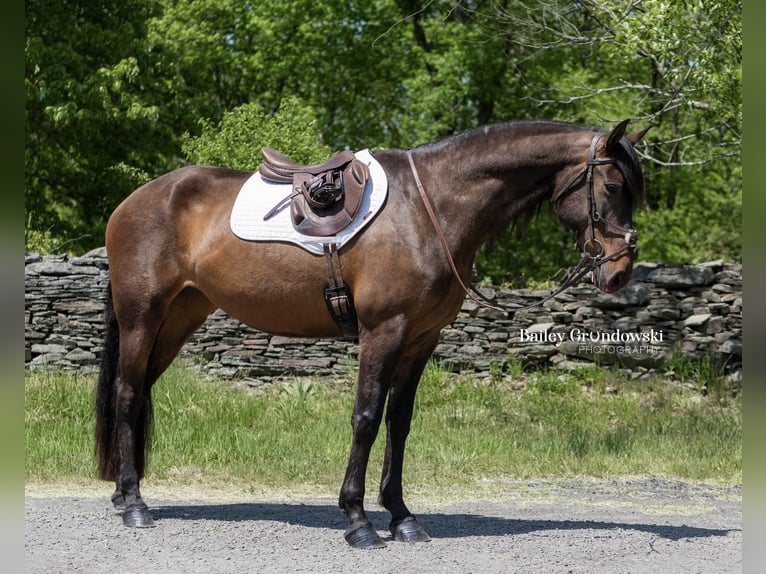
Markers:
point(186, 187)
point(171, 207)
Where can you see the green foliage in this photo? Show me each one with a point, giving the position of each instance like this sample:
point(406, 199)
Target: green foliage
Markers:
point(37, 241)
point(86, 112)
point(674, 66)
point(122, 92)
point(237, 139)
point(699, 218)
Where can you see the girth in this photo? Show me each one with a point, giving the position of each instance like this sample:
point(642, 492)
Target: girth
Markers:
point(337, 295)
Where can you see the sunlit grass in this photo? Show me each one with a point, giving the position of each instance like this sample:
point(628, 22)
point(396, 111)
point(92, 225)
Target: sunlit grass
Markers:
point(465, 430)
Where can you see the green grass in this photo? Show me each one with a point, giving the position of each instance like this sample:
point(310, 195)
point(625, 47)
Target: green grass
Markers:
point(466, 431)
point(564, 425)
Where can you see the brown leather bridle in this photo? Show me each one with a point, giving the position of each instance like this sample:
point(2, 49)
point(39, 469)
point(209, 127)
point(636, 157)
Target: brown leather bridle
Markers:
point(592, 246)
point(592, 250)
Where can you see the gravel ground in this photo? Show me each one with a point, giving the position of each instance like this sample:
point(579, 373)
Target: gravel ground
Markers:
point(616, 526)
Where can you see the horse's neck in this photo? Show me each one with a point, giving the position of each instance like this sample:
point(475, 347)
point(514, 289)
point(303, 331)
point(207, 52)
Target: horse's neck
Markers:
point(479, 187)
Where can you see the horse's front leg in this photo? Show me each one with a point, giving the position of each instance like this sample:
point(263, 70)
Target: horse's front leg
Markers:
point(404, 526)
point(377, 362)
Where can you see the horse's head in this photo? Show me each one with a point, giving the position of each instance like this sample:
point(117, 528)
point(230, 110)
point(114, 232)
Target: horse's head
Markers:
point(596, 201)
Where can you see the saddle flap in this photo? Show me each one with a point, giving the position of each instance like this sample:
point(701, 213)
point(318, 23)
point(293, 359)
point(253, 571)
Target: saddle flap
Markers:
point(323, 222)
point(325, 197)
point(270, 175)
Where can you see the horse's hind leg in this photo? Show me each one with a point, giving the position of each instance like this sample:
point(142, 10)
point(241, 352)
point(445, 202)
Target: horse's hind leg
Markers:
point(146, 350)
point(132, 407)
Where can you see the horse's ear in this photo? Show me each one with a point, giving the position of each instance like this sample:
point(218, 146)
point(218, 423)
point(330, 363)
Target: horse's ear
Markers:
point(636, 137)
point(614, 137)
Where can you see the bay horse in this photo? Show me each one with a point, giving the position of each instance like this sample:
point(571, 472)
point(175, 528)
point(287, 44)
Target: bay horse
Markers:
point(173, 260)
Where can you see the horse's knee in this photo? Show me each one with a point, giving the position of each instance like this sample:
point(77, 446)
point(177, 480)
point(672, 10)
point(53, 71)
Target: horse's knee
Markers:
point(365, 426)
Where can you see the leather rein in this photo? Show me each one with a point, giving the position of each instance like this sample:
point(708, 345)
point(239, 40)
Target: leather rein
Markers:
point(592, 251)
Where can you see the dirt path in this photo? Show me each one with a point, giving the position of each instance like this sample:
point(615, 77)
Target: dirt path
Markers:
point(621, 526)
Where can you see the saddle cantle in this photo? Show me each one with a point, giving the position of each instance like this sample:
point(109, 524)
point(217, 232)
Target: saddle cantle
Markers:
point(325, 197)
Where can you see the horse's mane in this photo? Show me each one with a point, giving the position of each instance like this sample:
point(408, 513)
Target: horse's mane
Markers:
point(628, 163)
point(519, 127)
point(626, 159)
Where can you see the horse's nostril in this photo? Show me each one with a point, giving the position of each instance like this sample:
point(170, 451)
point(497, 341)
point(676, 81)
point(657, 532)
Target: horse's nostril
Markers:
point(616, 281)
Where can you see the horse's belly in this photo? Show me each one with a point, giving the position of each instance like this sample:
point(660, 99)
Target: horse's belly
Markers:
point(280, 318)
point(279, 299)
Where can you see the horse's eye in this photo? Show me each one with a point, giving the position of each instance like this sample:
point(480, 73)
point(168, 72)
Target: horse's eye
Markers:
point(613, 188)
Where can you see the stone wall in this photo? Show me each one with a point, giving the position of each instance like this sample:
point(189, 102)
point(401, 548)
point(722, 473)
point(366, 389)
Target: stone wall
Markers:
point(694, 310)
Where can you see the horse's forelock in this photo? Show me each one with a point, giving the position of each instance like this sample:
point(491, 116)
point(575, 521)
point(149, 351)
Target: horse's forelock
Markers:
point(629, 165)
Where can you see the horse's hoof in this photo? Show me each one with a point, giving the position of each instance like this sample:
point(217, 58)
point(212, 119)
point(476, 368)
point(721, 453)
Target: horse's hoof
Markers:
point(138, 517)
point(409, 530)
point(364, 537)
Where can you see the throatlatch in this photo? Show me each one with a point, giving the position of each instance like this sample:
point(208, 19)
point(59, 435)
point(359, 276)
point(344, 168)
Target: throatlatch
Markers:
point(337, 295)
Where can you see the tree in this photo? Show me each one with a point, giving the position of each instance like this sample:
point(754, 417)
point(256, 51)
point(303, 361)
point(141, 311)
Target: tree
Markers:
point(88, 126)
point(120, 92)
point(236, 140)
point(673, 65)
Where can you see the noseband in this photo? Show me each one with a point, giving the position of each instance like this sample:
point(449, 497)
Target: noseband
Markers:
point(592, 250)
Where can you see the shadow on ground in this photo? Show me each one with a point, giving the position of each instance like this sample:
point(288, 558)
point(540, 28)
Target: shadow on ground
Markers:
point(439, 525)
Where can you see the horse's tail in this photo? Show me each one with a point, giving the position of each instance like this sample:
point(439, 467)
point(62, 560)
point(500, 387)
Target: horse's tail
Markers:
point(106, 434)
point(107, 451)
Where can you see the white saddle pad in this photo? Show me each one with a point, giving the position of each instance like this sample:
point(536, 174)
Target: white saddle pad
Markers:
point(257, 197)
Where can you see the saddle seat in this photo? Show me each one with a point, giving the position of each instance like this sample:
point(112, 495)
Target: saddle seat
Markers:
point(325, 197)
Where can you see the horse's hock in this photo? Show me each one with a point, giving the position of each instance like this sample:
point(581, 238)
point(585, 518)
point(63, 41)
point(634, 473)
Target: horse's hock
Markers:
point(694, 310)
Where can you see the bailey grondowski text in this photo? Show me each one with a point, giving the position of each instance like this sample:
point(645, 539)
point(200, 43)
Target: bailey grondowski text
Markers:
point(617, 341)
